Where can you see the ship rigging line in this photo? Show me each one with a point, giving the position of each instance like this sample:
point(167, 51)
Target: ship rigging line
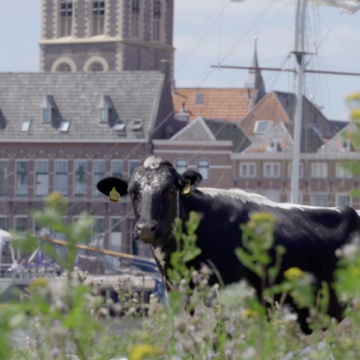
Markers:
point(285, 70)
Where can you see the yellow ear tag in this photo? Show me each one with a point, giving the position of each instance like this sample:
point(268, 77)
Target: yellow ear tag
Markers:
point(114, 196)
point(186, 189)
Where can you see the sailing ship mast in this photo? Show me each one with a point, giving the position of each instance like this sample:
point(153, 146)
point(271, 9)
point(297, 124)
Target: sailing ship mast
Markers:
point(300, 61)
point(349, 6)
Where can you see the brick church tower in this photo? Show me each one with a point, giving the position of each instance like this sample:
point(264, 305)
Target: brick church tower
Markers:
point(109, 35)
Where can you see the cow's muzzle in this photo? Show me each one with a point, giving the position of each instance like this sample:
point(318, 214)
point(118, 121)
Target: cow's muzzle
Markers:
point(145, 230)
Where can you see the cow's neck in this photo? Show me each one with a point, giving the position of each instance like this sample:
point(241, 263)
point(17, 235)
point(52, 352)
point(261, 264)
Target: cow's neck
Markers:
point(162, 250)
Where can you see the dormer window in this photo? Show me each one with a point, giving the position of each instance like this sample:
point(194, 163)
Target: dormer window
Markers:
point(25, 127)
point(48, 107)
point(199, 99)
point(261, 127)
point(138, 124)
point(120, 125)
point(105, 108)
point(64, 126)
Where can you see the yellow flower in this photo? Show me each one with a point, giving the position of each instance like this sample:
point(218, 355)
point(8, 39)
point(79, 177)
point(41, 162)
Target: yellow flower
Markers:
point(250, 313)
point(293, 273)
point(39, 282)
point(55, 196)
point(140, 351)
point(263, 217)
point(217, 309)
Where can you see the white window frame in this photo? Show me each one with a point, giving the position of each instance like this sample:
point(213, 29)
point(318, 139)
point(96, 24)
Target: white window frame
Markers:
point(103, 17)
point(21, 217)
point(301, 169)
point(347, 174)
point(6, 180)
point(256, 126)
point(74, 175)
point(140, 21)
point(55, 173)
point(181, 159)
point(16, 177)
point(103, 218)
point(117, 219)
point(122, 167)
point(35, 177)
point(300, 198)
point(59, 28)
point(6, 218)
point(272, 164)
point(96, 192)
point(130, 161)
point(247, 164)
point(267, 192)
point(209, 168)
point(321, 176)
point(161, 21)
point(319, 193)
point(344, 194)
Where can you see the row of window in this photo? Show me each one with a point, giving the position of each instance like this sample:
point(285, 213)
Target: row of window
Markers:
point(203, 167)
point(273, 170)
point(61, 176)
point(316, 199)
point(21, 226)
point(98, 18)
point(81, 175)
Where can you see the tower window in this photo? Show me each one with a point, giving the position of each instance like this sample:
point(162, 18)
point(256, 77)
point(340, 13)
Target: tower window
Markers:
point(63, 67)
point(96, 67)
point(98, 17)
point(66, 12)
point(135, 15)
point(157, 19)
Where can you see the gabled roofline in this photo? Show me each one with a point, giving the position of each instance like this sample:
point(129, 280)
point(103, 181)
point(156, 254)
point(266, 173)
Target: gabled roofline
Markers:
point(188, 126)
point(255, 107)
point(155, 109)
point(175, 143)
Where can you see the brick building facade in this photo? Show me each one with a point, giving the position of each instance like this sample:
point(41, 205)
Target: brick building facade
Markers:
point(65, 132)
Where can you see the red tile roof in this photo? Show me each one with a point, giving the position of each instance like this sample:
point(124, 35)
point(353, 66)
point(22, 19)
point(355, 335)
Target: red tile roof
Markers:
point(268, 109)
point(218, 103)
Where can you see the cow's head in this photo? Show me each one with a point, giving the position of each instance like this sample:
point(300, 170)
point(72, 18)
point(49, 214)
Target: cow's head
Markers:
point(154, 189)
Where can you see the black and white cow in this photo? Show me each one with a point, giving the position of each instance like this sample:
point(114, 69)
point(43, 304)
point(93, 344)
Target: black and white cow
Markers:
point(310, 234)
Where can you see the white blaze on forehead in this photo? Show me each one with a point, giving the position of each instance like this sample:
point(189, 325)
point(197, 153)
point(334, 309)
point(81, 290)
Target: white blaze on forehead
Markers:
point(160, 256)
point(151, 184)
point(244, 197)
point(153, 162)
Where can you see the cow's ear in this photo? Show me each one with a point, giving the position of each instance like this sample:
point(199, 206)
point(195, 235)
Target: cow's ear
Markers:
point(189, 181)
point(113, 187)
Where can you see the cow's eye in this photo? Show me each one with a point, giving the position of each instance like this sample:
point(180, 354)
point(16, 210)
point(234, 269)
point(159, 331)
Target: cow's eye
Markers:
point(172, 191)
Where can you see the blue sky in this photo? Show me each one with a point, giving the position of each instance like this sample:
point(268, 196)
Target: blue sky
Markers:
point(209, 31)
